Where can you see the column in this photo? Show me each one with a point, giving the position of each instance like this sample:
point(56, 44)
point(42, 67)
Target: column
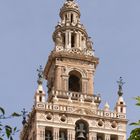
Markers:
point(90, 84)
point(84, 86)
point(58, 78)
point(69, 39)
point(77, 40)
point(40, 133)
point(71, 135)
point(80, 40)
point(92, 136)
point(55, 133)
point(107, 136)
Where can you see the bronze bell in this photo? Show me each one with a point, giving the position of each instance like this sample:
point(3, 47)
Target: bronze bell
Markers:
point(81, 136)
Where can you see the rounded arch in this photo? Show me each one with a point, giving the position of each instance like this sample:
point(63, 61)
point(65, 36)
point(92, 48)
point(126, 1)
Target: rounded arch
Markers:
point(82, 130)
point(75, 81)
point(81, 71)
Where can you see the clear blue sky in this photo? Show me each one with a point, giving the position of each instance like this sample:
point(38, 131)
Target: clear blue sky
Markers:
point(26, 28)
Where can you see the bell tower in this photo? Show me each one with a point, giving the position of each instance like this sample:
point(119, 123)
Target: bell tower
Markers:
point(72, 63)
point(70, 111)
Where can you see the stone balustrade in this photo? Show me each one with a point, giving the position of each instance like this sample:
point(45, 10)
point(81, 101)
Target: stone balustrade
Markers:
point(75, 96)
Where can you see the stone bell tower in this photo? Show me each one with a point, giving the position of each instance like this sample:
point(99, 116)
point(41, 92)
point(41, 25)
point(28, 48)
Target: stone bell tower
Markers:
point(71, 110)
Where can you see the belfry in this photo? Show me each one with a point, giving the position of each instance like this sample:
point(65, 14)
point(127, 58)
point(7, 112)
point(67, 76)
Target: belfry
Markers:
point(70, 109)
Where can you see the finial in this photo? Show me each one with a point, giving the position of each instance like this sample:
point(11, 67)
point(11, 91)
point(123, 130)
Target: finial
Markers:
point(106, 107)
point(120, 84)
point(40, 75)
point(24, 112)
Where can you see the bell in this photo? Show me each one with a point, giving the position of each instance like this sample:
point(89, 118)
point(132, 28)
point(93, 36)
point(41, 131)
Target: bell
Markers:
point(81, 136)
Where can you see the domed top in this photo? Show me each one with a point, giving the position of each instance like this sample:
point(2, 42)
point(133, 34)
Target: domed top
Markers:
point(70, 5)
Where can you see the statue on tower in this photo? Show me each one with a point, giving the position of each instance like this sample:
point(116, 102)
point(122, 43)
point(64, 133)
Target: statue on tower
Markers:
point(40, 75)
point(120, 84)
point(59, 39)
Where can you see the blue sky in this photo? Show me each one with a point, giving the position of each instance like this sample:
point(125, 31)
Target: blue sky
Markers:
point(26, 29)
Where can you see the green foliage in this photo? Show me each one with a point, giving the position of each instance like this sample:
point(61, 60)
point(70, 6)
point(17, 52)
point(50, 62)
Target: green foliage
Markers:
point(135, 133)
point(6, 131)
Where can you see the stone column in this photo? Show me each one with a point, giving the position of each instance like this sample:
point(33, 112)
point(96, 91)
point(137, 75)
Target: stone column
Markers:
point(69, 39)
point(65, 83)
point(55, 133)
point(77, 40)
point(80, 40)
point(107, 137)
point(71, 134)
point(84, 86)
point(92, 136)
point(40, 133)
point(58, 78)
point(90, 84)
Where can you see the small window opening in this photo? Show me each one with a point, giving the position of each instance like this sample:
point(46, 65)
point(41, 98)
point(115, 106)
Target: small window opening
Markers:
point(40, 99)
point(40, 91)
point(72, 40)
point(121, 103)
point(121, 110)
point(66, 17)
point(71, 18)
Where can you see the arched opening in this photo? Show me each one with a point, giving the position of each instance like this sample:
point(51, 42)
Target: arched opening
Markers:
point(62, 134)
point(40, 98)
point(71, 18)
point(72, 40)
point(63, 37)
point(82, 130)
point(121, 109)
point(48, 134)
point(75, 81)
point(100, 136)
point(66, 17)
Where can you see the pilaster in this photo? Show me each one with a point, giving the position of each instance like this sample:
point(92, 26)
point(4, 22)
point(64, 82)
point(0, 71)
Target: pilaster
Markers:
point(40, 135)
point(55, 133)
point(92, 136)
point(58, 78)
point(107, 137)
point(90, 85)
point(71, 134)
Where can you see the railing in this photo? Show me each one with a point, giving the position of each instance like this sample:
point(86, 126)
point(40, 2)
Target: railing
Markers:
point(75, 96)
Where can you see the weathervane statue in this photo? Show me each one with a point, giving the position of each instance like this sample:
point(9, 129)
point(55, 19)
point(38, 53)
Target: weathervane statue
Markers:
point(40, 75)
point(120, 84)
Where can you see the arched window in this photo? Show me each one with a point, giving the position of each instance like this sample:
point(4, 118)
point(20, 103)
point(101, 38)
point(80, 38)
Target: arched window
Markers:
point(75, 81)
point(82, 130)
